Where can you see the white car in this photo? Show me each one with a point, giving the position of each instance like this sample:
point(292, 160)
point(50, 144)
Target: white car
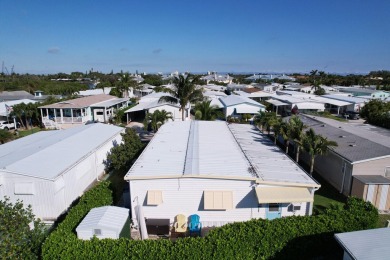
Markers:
point(7, 125)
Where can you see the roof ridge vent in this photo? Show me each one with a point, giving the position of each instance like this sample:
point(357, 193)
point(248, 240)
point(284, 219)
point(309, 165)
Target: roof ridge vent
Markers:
point(342, 136)
point(352, 145)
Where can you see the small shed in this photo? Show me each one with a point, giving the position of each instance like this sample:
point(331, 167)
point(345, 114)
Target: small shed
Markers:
point(372, 188)
point(103, 222)
point(365, 244)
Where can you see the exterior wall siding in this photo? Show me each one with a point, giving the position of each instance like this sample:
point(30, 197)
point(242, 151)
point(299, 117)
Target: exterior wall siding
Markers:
point(374, 167)
point(176, 114)
point(52, 197)
point(185, 196)
point(357, 189)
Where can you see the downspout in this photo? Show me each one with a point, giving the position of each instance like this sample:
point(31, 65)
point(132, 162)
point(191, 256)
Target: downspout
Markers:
point(96, 171)
point(313, 190)
point(342, 182)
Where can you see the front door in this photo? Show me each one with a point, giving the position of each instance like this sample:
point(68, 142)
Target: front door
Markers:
point(273, 211)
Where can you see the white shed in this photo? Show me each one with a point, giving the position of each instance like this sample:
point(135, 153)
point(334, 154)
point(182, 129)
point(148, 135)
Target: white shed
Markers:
point(50, 169)
point(103, 222)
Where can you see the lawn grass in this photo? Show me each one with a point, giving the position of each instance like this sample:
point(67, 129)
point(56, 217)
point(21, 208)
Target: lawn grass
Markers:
point(326, 196)
point(23, 133)
point(383, 218)
point(327, 115)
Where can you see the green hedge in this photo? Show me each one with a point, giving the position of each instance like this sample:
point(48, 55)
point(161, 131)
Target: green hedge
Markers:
point(292, 237)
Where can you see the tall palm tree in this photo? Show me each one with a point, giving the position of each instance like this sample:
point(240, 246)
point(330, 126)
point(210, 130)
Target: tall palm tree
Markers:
point(184, 92)
point(125, 83)
point(260, 119)
point(316, 145)
point(277, 128)
point(206, 111)
point(157, 119)
point(286, 133)
point(297, 134)
point(266, 120)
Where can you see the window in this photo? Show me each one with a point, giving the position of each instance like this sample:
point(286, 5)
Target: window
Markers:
point(97, 232)
point(294, 207)
point(99, 113)
point(218, 200)
point(154, 197)
point(273, 207)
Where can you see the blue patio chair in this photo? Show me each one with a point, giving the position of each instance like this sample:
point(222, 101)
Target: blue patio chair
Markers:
point(195, 226)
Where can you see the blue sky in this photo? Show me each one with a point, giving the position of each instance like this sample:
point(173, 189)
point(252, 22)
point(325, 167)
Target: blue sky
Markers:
point(163, 36)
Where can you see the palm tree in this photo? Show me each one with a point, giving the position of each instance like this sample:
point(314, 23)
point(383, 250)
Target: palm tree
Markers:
point(260, 119)
point(277, 128)
point(266, 119)
point(125, 83)
point(286, 133)
point(207, 112)
point(184, 92)
point(157, 119)
point(297, 134)
point(315, 145)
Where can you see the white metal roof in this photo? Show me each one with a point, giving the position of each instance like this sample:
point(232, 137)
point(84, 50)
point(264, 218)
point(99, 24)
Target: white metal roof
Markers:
point(276, 102)
point(148, 105)
point(107, 217)
point(354, 100)
point(48, 154)
point(236, 100)
point(372, 244)
point(212, 148)
point(110, 103)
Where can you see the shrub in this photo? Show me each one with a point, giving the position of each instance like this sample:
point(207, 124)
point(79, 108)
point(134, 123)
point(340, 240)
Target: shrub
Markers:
point(298, 237)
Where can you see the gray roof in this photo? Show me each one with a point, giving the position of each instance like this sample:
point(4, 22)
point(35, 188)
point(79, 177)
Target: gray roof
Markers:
point(372, 179)
point(215, 149)
point(48, 154)
point(352, 147)
point(15, 95)
point(354, 100)
point(372, 244)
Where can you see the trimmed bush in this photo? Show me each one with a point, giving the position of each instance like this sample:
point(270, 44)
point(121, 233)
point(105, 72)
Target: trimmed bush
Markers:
point(286, 238)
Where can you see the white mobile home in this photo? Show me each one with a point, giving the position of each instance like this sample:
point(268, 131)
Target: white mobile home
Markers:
point(236, 106)
point(223, 173)
point(103, 222)
point(50, 169)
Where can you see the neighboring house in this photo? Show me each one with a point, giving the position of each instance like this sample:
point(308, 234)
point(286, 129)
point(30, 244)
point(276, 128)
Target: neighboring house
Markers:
point(308, 102)
point(222, 172)
point(50, 169)
point(214, 87)
point(103, 222)
point(237, 87)
point(286, 101)
point(236, 106)
point(15, 95)
point(355, 155)
point(150, 103)
point(4, 112)
point(365, 244)
point(81, 110)
point(93, 92)
point(357, 92)
point(270, 88)
point(269, 77)
point(218, 78)
point(356, 102)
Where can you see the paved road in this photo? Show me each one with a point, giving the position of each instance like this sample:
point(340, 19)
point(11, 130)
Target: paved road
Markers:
point(358, 127)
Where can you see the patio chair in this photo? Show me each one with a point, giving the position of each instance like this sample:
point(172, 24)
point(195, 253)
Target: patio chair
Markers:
point(195, 226)
point(180, 225)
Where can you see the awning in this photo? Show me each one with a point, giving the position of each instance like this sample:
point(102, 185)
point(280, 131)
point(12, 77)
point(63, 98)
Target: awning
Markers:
point(276, 102)
point(154, 197)
point(218, 200)
point(283, 194)
point(248, 110)
point(310, 105)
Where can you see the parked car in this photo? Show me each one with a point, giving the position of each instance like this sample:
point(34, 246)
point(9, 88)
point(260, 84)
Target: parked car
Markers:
point(7, 125)
point(352, 115)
